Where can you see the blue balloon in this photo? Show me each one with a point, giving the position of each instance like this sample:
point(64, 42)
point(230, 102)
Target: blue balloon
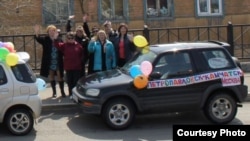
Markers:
point(135, 71)
point(41, 84)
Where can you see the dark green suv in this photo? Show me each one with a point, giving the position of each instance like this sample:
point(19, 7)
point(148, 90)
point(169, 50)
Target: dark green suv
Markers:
point(184, 77)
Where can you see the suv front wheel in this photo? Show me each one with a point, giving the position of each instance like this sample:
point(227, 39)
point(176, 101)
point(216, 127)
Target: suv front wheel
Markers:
point(118, 113)
point(221, 108)
point(19, 122)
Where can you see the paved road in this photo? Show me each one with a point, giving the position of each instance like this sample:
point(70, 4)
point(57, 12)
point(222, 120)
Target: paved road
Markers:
point(68, 124)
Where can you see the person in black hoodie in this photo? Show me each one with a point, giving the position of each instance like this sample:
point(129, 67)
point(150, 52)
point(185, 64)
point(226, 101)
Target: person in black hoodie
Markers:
point(82, 36)
point(52, 59)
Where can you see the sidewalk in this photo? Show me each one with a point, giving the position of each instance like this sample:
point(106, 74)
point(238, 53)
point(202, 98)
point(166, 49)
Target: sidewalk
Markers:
point(47, 101)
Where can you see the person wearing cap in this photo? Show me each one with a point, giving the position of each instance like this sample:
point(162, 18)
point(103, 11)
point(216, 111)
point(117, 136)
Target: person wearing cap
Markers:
point(52, 59)
point(82, 36)
point(111, 33)
point(124, 45)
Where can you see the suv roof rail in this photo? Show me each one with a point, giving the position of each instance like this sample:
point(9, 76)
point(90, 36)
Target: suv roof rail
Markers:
point(224, 44)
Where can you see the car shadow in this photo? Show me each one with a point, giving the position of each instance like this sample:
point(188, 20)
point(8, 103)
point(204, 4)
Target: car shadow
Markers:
point(146, 127)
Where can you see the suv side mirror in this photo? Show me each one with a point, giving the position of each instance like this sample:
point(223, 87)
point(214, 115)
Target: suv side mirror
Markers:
point(155, 75)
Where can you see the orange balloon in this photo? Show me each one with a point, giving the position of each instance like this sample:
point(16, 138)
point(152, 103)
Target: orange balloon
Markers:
point(140, 81)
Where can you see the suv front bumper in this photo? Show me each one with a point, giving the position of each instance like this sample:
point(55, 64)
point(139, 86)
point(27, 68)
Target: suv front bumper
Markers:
point(87, 104)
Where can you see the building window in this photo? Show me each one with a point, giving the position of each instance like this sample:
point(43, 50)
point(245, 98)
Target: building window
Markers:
point(209, 7)
point(159, 8)
point(113, 10)
point(57, 11)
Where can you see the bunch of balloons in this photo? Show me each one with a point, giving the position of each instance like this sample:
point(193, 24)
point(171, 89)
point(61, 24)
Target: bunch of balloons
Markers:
point(8, 53)
point(141, 72)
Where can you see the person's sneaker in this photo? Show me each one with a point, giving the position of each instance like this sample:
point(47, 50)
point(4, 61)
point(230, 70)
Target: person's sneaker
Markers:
point(71, 97)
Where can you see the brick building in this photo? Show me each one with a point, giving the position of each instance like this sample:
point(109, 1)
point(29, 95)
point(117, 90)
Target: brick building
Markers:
point(19, 16)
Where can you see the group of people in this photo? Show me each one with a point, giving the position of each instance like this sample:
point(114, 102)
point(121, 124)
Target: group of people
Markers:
point(100, 50)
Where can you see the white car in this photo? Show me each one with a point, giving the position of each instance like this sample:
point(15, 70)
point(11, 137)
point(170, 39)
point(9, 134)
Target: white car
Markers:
point(20, 103)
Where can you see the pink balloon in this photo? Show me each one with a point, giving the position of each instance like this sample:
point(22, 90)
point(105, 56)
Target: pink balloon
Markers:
point(146, 67)
point(9, 46)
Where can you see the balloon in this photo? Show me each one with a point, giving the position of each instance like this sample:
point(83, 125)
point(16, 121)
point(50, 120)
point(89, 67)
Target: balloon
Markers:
point(146, 67)
point(12, 59)
point(9, 46)
point(3, 53)
point(140, 41)
point(41, 84)
point(1, 44)
point(140, 81)
point(145, 50)
point(135, 71)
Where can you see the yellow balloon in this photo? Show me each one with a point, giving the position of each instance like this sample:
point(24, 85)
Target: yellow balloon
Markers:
point(12, 59)
point(140, 81)
point(140, 41)
point(145, 50)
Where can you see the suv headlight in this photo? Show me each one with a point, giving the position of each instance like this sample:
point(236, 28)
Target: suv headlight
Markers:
point(92, 92)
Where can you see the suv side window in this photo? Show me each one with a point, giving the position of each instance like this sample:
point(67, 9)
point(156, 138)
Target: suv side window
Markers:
point(216, 59)
point(175, 64)
point(3, 78)
point(211, 60)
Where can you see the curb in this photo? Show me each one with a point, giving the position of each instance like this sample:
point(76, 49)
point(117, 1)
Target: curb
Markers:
point(57, 106)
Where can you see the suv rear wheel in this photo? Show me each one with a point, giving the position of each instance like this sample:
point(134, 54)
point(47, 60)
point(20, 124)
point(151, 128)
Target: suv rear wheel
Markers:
point(118, 113)
point(19, 122)
point(221, 108)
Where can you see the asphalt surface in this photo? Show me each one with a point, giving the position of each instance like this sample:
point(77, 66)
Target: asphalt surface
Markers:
point(48, 101)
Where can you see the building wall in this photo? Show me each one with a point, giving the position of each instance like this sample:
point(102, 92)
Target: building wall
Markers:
point(18, 17)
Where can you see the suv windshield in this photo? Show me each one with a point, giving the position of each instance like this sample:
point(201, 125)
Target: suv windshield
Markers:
point(23, 73)
point(139, 58)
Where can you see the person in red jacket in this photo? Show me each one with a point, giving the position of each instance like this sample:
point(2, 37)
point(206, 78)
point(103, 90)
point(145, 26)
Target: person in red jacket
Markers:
point(73, 55)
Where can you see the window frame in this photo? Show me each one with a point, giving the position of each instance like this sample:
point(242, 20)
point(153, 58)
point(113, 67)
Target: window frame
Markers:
point(209, 13)
point(125, 12)
point(63, 17)
point(158, 18)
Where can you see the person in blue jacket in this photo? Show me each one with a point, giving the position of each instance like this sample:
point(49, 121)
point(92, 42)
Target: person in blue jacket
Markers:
point(104, 53)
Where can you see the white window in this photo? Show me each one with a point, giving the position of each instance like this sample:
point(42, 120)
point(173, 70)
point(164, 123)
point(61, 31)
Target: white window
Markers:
point(209, 7)
point(159, 8)
point(57, 11)
point(113, 10)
